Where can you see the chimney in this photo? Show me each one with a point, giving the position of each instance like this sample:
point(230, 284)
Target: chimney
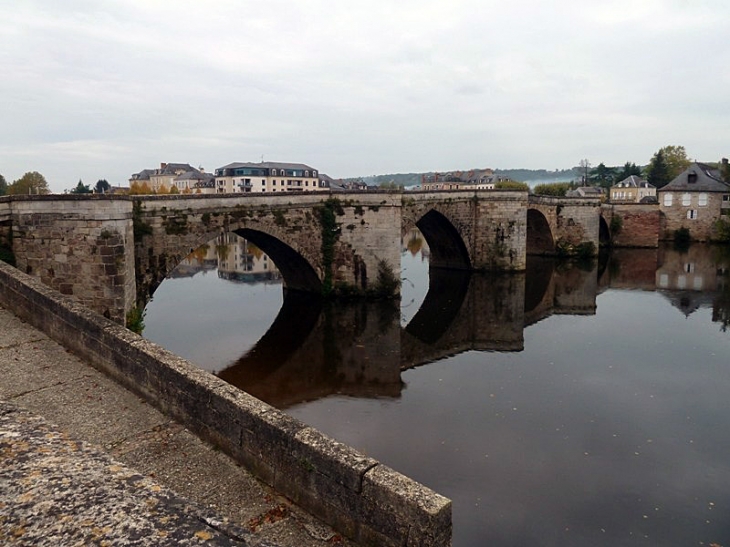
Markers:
point(163, 165)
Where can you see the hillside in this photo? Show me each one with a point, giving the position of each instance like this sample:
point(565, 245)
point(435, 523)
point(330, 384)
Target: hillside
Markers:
point(520, 175)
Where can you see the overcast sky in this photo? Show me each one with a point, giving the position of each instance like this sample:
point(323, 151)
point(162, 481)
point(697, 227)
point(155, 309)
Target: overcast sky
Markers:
point(102, 89)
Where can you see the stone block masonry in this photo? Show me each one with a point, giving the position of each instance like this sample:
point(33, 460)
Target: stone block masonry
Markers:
point(640, 225)
point(356, 494)
point(81, 246)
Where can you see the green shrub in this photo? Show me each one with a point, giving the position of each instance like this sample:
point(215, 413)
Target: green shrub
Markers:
point(511, 185)
point(557, 189)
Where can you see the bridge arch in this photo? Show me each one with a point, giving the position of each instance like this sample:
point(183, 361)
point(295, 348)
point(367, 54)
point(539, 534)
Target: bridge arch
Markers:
point(446, 244)
point(604, 232)
point(298, 273)
point(539, 235)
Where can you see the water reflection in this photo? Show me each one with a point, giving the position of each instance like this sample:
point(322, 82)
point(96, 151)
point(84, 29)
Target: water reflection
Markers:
point(316, 349)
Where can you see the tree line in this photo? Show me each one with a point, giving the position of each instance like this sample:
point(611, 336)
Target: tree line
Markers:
point(665, 165)
point(33, 183)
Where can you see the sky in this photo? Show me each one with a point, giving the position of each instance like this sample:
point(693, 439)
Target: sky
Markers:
point(96, 89)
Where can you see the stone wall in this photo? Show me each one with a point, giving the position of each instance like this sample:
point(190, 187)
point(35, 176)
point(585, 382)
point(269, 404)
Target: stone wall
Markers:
point(700, 228)
point(357, 495)
point(640, 224)
point(78, 245)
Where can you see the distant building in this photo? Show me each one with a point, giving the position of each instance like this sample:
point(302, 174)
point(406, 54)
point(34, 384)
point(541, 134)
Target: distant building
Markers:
point(183, 176)
point(266, 177)
point(694, 200)
point(475, 179)
point(633, 189)
point(585, 192)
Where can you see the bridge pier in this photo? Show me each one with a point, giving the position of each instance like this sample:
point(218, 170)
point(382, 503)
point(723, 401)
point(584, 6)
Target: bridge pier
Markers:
point(563, 226)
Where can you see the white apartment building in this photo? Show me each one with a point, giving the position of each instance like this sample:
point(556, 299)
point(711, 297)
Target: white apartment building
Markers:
point(266, 176)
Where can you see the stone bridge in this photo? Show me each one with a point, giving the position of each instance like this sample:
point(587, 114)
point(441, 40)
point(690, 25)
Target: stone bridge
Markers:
point(110, 253)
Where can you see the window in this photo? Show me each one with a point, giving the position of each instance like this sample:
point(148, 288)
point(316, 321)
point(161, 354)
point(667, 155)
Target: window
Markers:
point(692, 214)
point(686, 200)
point(664, 281)
point(702, 200)
point(668, 199)
point(682, 282)
point(273, 183)
point(697, 285)
point(273, 171)
point(689, 267)
point(726, 197)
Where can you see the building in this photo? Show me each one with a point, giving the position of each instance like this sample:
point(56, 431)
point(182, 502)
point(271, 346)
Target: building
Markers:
point(266, 176)
point(585, 192)
point(694, 200)
point(633, 189)
point(182, 176)
point(475, 179)
point(241, 260)
point(195, 182)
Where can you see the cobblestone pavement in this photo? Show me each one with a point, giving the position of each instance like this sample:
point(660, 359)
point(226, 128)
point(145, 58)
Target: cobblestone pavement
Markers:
point(83, 461)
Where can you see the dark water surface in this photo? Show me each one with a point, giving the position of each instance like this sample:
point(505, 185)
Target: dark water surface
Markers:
point(571, 405)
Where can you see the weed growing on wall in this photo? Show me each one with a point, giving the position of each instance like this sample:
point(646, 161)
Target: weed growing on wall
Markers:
point(330, 234)
point(135, 320)
point(140, 227)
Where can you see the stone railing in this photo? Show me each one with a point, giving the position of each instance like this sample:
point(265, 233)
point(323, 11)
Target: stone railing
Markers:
point(360, 497)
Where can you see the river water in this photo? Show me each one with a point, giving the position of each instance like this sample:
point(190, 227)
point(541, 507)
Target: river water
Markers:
point(574, 404)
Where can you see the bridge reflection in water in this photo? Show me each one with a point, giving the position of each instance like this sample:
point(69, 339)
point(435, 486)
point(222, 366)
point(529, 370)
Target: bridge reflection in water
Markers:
point(315, 349)
point(578, 438)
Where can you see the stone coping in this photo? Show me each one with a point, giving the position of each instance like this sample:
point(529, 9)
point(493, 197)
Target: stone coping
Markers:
point(357, 495)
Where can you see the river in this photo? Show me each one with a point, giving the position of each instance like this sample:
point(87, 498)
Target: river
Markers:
point(574, 404)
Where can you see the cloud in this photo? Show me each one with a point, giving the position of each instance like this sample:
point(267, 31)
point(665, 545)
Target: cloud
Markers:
point(375, 86)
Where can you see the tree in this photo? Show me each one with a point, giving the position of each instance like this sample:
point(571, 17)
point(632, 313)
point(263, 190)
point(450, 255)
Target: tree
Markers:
point(102, 186)
point(628, 169)
point(3, 186)
point(584, 166)
point(81, 188)
point(676, 160)
point(724, 171)
point(30, 183)
point(657, 173)
point(602, 175)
